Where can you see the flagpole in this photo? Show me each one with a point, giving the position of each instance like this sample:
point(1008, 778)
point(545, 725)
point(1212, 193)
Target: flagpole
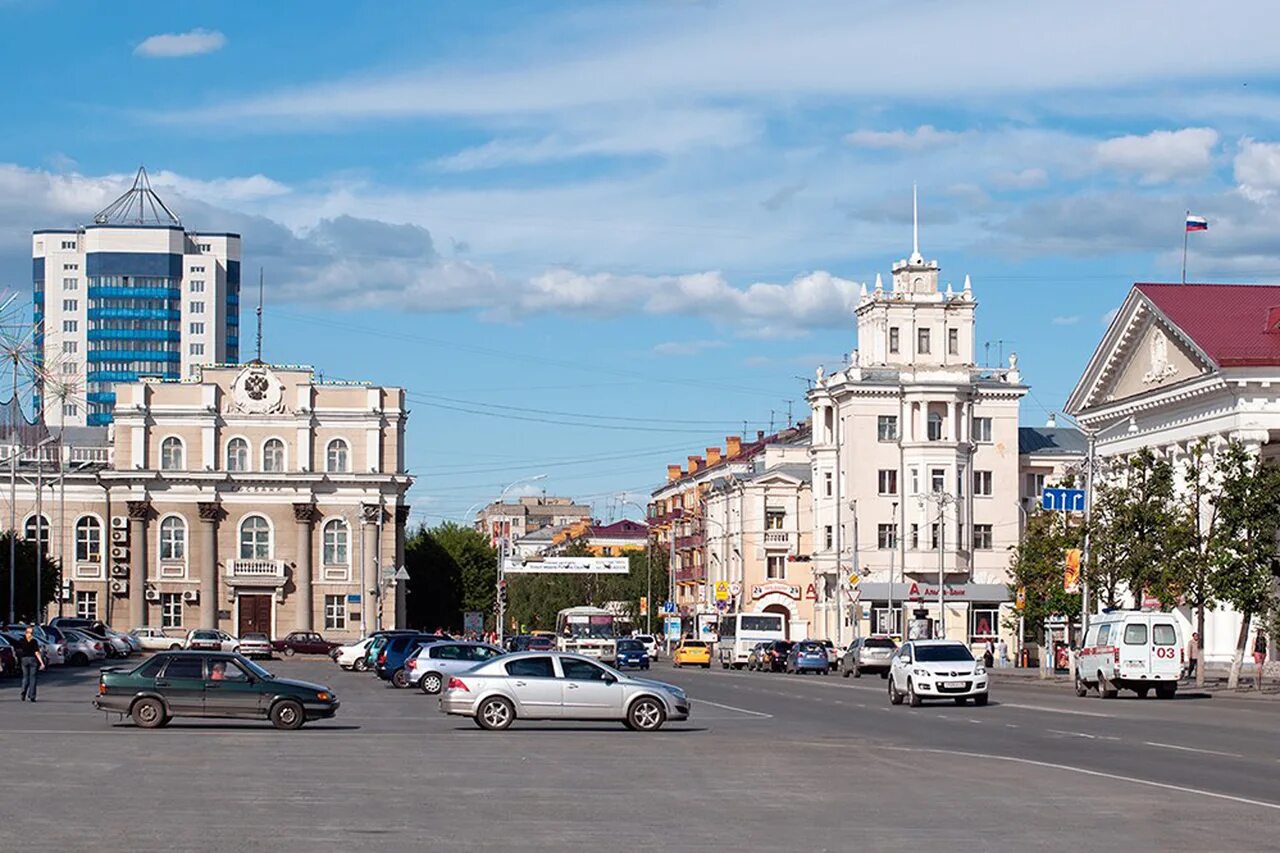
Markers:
point(1185, 232)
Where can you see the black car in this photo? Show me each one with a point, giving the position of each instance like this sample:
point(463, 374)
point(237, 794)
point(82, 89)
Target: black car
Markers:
point(774, 657)
point(389, 665)
point(210, 684)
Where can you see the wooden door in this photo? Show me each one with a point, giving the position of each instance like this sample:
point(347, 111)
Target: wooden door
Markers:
point(255, 614)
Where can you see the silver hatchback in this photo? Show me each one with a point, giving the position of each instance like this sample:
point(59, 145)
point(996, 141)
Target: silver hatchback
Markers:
point(559, 686)
point(868, 654)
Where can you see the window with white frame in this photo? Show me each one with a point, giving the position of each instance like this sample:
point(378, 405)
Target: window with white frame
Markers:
point(71, 284)
point(70, 368)
point(887, 537)
point(70, 305)
point(894, 334)
point(828, 536)
point(205, 247)
point(982, 429)
point(922, 341)
point(1035, 485)
point(37, 526)
point(933, 536)
point(827, 483)
point(335, 613)
point(336, 538)
point(171, 454)
point(935, 426)
point(197, 286)
point(68, 245)
point(984, 622)
point(937, 480)
point(255, 538)
point(887, 427)
point(70, 410)
point(196, 328)
point(982, 483)
point(70, 325)
point(953, 341)
point(197, 349)
point(88, 540)
point(195, 307)
point(915, 481)
point(337, 457)
point(776, 567)
point(173, 539)
point(915, 537)
point(273, 455)
point(237, 455)
point(982, 537)
point(170, 610)
point(71, 267)
point(774, 518)
point(87, 605)
point(197, 269)
point(887, 621)
point(887, 481)
point(70, 347)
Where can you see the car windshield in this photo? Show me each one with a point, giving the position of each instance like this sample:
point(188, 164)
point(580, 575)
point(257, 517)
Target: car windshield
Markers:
point(254, 668)
point(810, 647)
point(694, 644)
point(879, 643)
point(206, 635)
point(644, 638)
point(255, 637)
point(630, 646)
point(934, 654)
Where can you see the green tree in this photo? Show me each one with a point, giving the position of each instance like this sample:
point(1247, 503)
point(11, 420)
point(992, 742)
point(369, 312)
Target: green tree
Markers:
point(535, 599)
point(1197, 559)
point(452, 568)
point(1145, 527)
point(25, 608)
point(1038, 564)
point(1248, 506)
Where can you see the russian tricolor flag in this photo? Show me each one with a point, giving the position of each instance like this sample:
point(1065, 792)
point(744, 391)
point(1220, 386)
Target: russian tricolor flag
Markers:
point(1197, 223)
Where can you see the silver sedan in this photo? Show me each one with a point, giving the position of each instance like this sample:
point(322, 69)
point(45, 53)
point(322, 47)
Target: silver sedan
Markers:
point(558, 686)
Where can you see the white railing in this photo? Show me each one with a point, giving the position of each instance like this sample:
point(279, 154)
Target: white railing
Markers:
point(777, 537)
point(266, 569)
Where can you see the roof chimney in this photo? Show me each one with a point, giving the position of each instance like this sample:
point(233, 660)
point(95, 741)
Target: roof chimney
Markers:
point(732, 446)
point(713, 456)
point(673, 472)
point(1053, 420)
point(695, 462)
point(759, 435)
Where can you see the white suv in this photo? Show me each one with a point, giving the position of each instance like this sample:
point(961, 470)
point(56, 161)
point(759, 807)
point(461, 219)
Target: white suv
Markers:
point(936, 669)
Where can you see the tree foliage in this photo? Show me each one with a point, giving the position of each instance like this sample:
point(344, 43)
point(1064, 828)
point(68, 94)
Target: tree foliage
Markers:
point(534, 600)
point(452, 569)
point(25, 608)
point(1038, 564)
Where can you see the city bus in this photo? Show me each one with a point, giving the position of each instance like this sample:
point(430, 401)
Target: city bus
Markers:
point(739, 632)
point(590, 631)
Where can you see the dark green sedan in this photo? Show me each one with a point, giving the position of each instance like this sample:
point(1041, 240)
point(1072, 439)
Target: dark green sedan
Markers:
point(210, 684)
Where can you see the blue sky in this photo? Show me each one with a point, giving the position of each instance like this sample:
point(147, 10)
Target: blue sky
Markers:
point(616, 232)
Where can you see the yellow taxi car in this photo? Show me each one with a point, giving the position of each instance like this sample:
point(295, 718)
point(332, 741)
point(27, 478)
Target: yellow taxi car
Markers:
point(692, 653)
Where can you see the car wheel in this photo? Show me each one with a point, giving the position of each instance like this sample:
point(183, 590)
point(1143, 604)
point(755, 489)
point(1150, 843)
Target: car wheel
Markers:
point(80, 659)
point(1105, 688)
point(980, 699)
point(1142, 692)
point(175, 647)
point(846, 673)
point(400, 678)
point(1082, 689)
point(288, 652)
point(913, 698)
point(148, 714)
point(724, 664)
point(287, 715)
point(1166, 691)
point(707, 666)
point(646, 714)
point(884, 673)
point(646, 666)
point(361, 665)
point(432, 682)
point(895, 698)
point(857, 671)
point(495, 714)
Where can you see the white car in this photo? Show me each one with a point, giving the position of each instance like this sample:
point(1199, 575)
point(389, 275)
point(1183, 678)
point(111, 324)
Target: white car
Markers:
point(1131, 649)
point(155, 640)
point(936, 669)
point(211, 640)
point(81, 648)
point(651, 645)
point(353, 656)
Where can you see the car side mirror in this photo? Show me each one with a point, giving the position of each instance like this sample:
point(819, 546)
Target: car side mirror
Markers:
point(609, 679)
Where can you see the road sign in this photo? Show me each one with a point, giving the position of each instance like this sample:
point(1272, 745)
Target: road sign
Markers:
point(1021, 600)
point(671, 627)
point(473, 622)
point(735, 589)
point(570, 566)
point(722, 590)
point(668, 607)
point(353, 598)
point(402, 574)
point(853, 580)
point(1062, 500)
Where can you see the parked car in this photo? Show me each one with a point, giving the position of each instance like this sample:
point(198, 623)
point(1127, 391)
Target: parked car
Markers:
point(936, 669)
point(134, 647)
point(155, 639)
point(396, 651)
point(756, 657)
point(8, 658)
point(303, 642)
point(558, 686)
point(81, 648)
point(53, 652)
point(255, 645)
point(631, 654)
point(431, 665)
point(353, 656)
point(115, 647)
point(211, 640)
point(774, 656)
point(833, 654)
point(101, 649)
point(807, 656)
point(868, 654)
point(73, 622)
point(651, 644)
point(692, 653)
point(529, 643)
point(380, 639)
point(210, 684)
point(1132, 650)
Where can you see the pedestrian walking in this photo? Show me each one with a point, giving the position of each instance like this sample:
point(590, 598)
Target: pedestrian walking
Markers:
point(1259, 655)
point(1002, 652)
point(31, 661)
point(989, 655)
point(1193, 654)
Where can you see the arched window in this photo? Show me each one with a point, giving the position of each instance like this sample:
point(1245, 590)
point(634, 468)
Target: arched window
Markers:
point(237, 455)
point(336, 457)
point(37, 525)
point(935, 426)
point(255, 538)
point(336, 536)
point(88, 540)
point(173, 538)
point(171, 454)
point(273, 455)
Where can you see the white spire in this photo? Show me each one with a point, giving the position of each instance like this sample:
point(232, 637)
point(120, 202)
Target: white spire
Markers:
point(916, 257)
point(950, 292)
point(864, 290)
point(879, 283)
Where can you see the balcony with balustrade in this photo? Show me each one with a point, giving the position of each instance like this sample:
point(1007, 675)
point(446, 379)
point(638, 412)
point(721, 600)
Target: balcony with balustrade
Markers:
point(256, 572)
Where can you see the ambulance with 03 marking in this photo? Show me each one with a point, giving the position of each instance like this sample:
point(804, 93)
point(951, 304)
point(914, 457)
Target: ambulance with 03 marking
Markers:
point(1132, 650)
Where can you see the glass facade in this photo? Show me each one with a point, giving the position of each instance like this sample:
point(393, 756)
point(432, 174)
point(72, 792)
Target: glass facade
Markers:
point(135, 330)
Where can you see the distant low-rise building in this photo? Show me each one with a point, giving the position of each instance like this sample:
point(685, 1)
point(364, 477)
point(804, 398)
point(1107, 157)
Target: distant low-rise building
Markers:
point(515, 519)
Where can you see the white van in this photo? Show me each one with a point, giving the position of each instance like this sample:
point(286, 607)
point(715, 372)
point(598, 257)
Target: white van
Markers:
point(1131, 649)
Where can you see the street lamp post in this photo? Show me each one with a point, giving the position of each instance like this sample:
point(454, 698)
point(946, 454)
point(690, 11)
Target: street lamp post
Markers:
point(502, 556)
point(648, 562)
point(942, 499)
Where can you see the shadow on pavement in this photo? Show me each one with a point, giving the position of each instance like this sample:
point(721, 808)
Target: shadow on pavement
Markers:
point(246, 726)
point(586, 727)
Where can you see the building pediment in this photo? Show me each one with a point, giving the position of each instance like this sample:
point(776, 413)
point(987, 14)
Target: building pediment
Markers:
point(1142, 352)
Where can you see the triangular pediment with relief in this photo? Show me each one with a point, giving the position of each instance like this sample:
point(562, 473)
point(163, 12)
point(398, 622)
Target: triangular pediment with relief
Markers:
point(1141, 353)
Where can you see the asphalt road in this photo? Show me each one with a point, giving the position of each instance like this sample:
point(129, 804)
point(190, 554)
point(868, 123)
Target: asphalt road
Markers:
point(767, 762)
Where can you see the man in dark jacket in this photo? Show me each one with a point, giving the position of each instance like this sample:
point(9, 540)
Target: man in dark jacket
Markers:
point(30, 660)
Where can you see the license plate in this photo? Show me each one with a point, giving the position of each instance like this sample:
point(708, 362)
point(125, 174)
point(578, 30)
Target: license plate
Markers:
point(955, 685)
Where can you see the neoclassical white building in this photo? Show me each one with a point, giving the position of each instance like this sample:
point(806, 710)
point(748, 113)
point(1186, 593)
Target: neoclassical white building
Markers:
point(1182, 363)
point(250, 498)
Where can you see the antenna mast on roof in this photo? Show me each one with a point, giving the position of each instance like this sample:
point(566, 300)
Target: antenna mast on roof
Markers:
point(259, 358)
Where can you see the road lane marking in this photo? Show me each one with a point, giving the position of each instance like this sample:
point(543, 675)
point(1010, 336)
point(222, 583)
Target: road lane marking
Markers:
point(1191, 749)
point(1098, 773)
point(732, 708)
point(1073, 734)
point(1048, 710)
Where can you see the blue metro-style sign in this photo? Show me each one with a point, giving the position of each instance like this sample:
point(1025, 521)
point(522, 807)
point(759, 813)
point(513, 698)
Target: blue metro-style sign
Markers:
point(1062, 500)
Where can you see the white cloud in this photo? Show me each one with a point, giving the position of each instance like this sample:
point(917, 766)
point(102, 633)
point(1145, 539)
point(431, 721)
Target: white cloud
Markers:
point(1023, 179)
point(221, 190)
point(1066, 320)
point(171, 45)
point(686, 347)
point(1109, 317)
point(1257, 169)
point(1162, 155)
point(924, 136)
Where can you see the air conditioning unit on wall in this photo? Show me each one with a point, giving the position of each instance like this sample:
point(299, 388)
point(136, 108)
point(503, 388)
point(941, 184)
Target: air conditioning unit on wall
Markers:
point(120, 570)
point(153, 594)
point(119, 522)
point(191, 596)
point(119, 587)
point(119, 536)
point(119, 553)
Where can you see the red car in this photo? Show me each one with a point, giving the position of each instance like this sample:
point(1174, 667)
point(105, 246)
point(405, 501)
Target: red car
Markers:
point(303, 642)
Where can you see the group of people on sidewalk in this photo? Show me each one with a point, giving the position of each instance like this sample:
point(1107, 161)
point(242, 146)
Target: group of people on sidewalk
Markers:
point(1259, 654)
point(995, 652)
